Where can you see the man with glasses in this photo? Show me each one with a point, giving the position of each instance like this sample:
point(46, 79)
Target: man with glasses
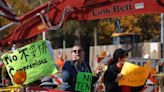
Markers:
point(77, 74)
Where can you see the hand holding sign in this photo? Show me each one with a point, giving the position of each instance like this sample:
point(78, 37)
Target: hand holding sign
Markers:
point(99, 70)
point(119, 76)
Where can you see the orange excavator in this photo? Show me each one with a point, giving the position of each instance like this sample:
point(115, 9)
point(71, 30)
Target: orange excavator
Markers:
point(50, 16)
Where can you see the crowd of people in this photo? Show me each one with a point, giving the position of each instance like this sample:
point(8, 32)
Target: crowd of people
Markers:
point(76, 65)
point(77, 75)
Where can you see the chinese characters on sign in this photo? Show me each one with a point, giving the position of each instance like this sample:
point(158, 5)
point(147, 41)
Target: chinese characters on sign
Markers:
point(35, 59)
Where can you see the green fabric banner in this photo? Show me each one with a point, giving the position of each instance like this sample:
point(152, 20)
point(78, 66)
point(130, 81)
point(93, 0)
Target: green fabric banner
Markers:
point(35, 59)
point(83, 82)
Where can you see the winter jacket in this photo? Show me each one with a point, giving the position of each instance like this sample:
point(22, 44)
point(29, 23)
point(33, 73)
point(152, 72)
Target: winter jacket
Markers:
point(110, 75)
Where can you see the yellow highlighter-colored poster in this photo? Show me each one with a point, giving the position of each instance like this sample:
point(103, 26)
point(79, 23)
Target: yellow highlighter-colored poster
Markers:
point(134, 75)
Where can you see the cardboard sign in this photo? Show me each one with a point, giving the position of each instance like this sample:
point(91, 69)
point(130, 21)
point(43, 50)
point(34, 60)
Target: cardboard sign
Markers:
point(83, 82)
point(142, 61)
point(35, 59)
point(134, 75)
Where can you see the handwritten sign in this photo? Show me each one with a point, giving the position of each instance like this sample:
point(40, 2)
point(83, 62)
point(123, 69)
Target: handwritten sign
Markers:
point(134, 75)
point(83, 82)
point(35, 59)
point(142, 62)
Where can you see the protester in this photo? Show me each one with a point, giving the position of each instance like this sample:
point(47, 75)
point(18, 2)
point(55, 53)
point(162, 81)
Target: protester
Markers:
point(5, 76)
point(72, 68)
point(112, 74)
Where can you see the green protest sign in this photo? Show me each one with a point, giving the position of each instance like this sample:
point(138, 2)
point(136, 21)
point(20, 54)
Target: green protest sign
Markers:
point(83, 82)
point(35, 59)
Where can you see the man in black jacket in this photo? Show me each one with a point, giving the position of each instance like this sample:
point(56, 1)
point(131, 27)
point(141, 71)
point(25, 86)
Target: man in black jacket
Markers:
point(73, 68)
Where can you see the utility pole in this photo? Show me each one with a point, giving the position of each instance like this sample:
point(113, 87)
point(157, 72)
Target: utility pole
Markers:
point(95, 36)
point(116, 41)
point(64, 48)
point(43, 33)
point(162, 53)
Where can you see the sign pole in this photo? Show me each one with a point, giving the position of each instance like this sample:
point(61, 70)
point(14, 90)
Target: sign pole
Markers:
point(162, 34)
point(162, 48)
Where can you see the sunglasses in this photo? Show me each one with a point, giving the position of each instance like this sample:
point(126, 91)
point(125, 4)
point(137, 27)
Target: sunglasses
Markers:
point(76, 51)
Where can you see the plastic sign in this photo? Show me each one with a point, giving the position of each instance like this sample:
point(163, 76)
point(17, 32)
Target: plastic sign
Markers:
point(134, 75)
point(83, 82)
point(35, 59)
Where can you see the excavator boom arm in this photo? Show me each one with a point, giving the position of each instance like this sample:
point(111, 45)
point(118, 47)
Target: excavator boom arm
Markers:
point(51, 15)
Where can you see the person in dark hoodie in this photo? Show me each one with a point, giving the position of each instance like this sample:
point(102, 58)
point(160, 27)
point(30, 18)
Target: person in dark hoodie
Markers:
point(76, 73)
point(112, 74)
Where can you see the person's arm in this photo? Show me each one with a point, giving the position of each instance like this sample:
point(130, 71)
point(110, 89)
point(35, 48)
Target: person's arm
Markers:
point(98, 74)
point(109, 80)
point(65, 76)
point(95, 77)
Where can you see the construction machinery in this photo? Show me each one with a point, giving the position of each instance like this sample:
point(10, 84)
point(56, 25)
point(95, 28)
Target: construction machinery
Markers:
point(50, 16)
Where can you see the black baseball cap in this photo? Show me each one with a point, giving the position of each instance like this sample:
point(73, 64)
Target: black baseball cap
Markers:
point(120, 53)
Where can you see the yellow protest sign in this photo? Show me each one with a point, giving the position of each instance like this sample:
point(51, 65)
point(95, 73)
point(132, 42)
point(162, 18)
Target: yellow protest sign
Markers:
point(134, 75)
